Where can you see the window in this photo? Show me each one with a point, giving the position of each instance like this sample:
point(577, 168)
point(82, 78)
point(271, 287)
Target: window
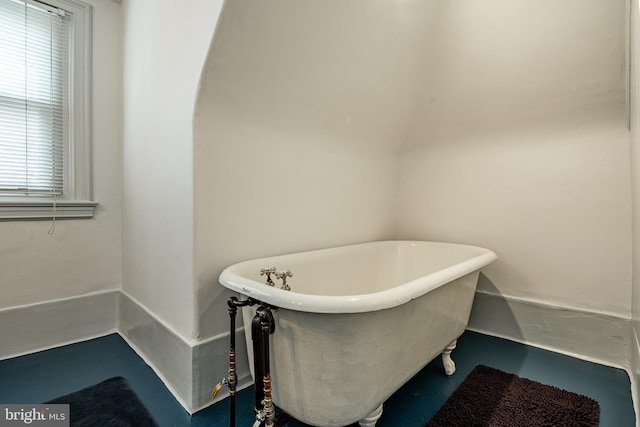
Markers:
point(45, 99)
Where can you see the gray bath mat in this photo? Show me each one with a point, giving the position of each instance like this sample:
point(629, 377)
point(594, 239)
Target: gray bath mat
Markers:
point(489, 397)
point(110, 403)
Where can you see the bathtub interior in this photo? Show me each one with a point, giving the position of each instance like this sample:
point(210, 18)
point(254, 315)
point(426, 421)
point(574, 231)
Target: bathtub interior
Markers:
point(360, 269)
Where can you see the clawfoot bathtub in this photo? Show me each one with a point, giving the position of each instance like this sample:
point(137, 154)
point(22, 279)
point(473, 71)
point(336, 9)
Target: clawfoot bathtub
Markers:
point(359, 321)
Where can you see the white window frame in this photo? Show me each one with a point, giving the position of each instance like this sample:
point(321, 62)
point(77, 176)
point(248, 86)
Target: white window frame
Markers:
point(77, 201)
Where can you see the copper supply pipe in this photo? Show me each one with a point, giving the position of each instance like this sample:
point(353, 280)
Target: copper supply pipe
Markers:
point(232, 378)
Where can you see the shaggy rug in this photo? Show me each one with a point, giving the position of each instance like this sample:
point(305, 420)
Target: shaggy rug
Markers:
point(110, 403)
point(489, 397)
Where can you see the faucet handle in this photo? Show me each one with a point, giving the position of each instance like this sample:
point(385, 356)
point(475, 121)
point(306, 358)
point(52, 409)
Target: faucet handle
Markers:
point(282, 275)
point(268, 271)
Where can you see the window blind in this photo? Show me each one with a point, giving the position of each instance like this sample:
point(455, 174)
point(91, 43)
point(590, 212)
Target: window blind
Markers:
point(34, 58)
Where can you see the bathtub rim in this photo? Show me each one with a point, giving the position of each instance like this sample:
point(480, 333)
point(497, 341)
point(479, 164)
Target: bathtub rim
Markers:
point(357, 303)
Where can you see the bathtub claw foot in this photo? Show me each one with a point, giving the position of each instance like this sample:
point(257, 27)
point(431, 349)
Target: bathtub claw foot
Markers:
point(371, 419)
point(449, 365)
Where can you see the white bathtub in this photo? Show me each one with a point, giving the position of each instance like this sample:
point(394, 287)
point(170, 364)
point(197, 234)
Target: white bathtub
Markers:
point(359, 321)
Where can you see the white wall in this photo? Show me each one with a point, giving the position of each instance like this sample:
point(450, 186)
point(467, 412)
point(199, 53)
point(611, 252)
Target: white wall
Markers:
point(508, 121)
point(164, 50)
point(635, 183)
point(302, 107)
point(519, 144)
point(82, 256)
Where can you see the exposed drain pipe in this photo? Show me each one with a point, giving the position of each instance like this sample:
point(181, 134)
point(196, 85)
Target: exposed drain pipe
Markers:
point(267, 326)
point(257, 340)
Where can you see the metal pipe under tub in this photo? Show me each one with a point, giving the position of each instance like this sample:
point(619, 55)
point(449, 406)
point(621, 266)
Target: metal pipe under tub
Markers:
point(262, 327)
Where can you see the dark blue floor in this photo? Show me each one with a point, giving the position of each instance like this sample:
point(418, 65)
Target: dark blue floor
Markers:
point(45, 375)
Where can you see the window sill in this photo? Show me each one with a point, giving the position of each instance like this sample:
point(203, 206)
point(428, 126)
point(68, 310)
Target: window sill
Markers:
point(44, 210)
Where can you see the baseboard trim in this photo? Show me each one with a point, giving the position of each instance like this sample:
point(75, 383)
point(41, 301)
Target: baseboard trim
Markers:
point(190, 370)
point(186, 368)
point(36, 327)
point(634, 372)
point(210, 365)
point(164, 350)
point(588, 335)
